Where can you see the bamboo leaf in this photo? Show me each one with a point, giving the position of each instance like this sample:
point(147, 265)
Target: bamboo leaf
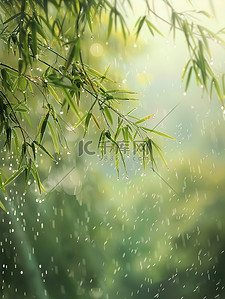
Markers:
point(101, 143)
point(121, 91)
point(14, 176)
point(71, 102)
point(159, 152)
point(27, 170)
point(2, 185)
point(2, 206)
point(34, 37)
point(87, 14)
point(87, 120)
point(43, 127)
point(144, 119)
point(37, 178)
point(218, 91)
point(54, 139)
point(12, 18)
point(149, 145)
point(185, 69)
point(96, 122)
point(108, 115)
point(152, 28)
point(43, 149)
point(140, 25)
point(158, 133)
point(80, 120)
point(188, 78)
point(117, 161)
point(33, 150)
point(54, 94)
point(71, 56)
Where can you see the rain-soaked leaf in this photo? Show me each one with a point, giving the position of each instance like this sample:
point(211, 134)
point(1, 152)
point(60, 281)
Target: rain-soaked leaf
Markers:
point(37, 179)
point(2, 206)
point(188, 78)
point(144, 119)
point(54, 138)
point(43, 149)
point(159, 152)
point(70, 57)
point(108, 115)
point(43, 126)
point(27, 173)
point(87, 120)
point(158, 133)
point(14, 176)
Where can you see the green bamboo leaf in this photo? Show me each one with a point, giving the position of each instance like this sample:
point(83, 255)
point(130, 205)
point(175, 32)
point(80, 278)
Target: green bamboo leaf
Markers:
point(27, 171)
point(105, 74)
point(200, 29)
point(37, 179)
point(144, 119)
point(2, 206)
point(2, 185)
point(218, 91)
point(123, 98)
point(140, 25)
point(15, 137)
point(143, 159)
point(95, 73)
point(108, 135)
point(158, 133)
point(101, 143)
point(149, 145)
point(14, 176)
point(87, 120)
point(87, 14)
point(152, 28)
point(71, 102)
point(54, 139)
point(23, 153)
point(185, 69)
point(12, 18)
point(125, 132)
point(122, 23)
point(33, 150)
point(8, 137)
point(34, 37)
point(40, 124)
point(159, 152)
point(121, 91)
point(117, 161)
point(71, 56)
point(137, 22)
point(188, 78)
point(108, 115)
point(43, 149)
point(80, 120)
point(118, 130)
point(54, 94)
point(223, 83)
point(40, 30)
point(43, 127)
point(205, 13)
point(96, 122)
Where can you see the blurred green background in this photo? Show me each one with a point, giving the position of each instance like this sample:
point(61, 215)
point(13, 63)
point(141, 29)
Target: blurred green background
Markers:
point(94, 236)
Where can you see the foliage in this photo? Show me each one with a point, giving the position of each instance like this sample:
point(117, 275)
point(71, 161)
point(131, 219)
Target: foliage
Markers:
point(48, 40)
